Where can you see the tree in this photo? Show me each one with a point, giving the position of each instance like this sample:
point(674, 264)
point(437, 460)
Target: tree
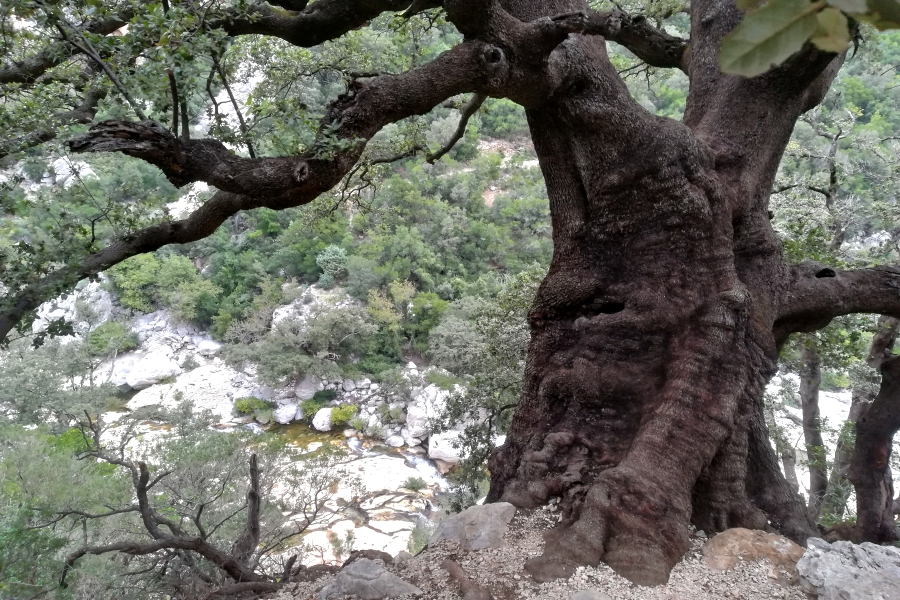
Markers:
point(667, 298)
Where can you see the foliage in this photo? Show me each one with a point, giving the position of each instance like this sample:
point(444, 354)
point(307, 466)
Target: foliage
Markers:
point(111, 338)
point(415, 484)
point(251, 406)
point(769, 35)
point(341, 415)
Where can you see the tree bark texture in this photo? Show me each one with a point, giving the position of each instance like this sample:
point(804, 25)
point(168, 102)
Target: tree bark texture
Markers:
point(870, 469)
point(654, 332)
point(817, 461)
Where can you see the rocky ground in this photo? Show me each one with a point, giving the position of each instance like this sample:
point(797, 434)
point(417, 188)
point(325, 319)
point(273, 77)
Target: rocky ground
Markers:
point(501, 572)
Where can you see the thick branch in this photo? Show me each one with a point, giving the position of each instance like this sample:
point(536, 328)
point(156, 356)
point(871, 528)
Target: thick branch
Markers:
point(29, 70)
point(316, 23)
point(653, 46)
point(275, 183)
point(232, 567)
point(248, 541)
point(815, 294)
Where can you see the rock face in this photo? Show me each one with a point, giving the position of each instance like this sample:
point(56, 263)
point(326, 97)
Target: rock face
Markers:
point(206, 388)
point(847, 571)
point(726, 550)
point(367, 580)
point(477, 527)
point(151, 369)
point(426, 406)
point(322, 420)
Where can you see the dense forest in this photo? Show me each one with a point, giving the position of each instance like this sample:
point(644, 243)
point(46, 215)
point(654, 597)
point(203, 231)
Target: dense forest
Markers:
point(434, 246)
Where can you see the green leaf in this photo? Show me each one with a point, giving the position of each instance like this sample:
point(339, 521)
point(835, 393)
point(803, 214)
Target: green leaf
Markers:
point(768, 36)
point(833, 34)
point(849, 6)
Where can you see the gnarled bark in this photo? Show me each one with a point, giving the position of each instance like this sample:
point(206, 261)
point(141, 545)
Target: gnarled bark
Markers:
point(870, 469)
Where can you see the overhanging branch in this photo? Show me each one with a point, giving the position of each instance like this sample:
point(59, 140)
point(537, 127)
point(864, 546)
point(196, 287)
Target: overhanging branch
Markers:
point(653, 46)
point(816, 294)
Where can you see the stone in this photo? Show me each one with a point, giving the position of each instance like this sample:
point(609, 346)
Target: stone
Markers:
point(374, 387)
point(348, 385)
point(322, 420)
point(367, 580)
point(208, 348)
point(402, 557)
point(121, 368)
point(151, 369)
point(307, 387)
point(727, 549)
point(286, 413)
point(441, 447)
point(848, 571)
point(394, 441)
point(590, 595)
point(443, 466)
point(427, 405)
point(477, 527)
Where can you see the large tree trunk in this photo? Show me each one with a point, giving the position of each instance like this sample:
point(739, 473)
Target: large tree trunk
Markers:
point(652, 334)
point(817, 461)
point(870, 469)
point(838, 490)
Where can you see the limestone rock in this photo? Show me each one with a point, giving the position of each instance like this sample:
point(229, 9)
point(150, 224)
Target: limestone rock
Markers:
point(847, 571)
point(394, 441)
point(726, 550)
point(286, 413)
point(151, 369)
point(307, 387)
point(322, 420)
point(428, 404)
point(208, 348)
point(367, 580)
point(477, 527)
point(348, 385)
point(441, 447)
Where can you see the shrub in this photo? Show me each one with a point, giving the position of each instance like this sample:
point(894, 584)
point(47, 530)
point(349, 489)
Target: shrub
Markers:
point(341, 415)
point(442, 380)
point(325, 395)
point(358, 423)
point(250, 406)
point(415, 484)
point(333, 262)
point(110, 338)
point(420, 536)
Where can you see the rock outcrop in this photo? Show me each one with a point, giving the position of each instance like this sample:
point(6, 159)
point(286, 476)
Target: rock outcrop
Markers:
point(366, 579)
point(847, 571)
point(728, 549)
point(477, 527)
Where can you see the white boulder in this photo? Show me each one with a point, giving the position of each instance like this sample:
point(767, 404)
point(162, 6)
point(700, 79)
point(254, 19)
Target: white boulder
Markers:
point(151, 369)
point(394, 441)
point(322, 420)
point(286, 413)
point(427, 405)
point(441, 447)
point(208, 348)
